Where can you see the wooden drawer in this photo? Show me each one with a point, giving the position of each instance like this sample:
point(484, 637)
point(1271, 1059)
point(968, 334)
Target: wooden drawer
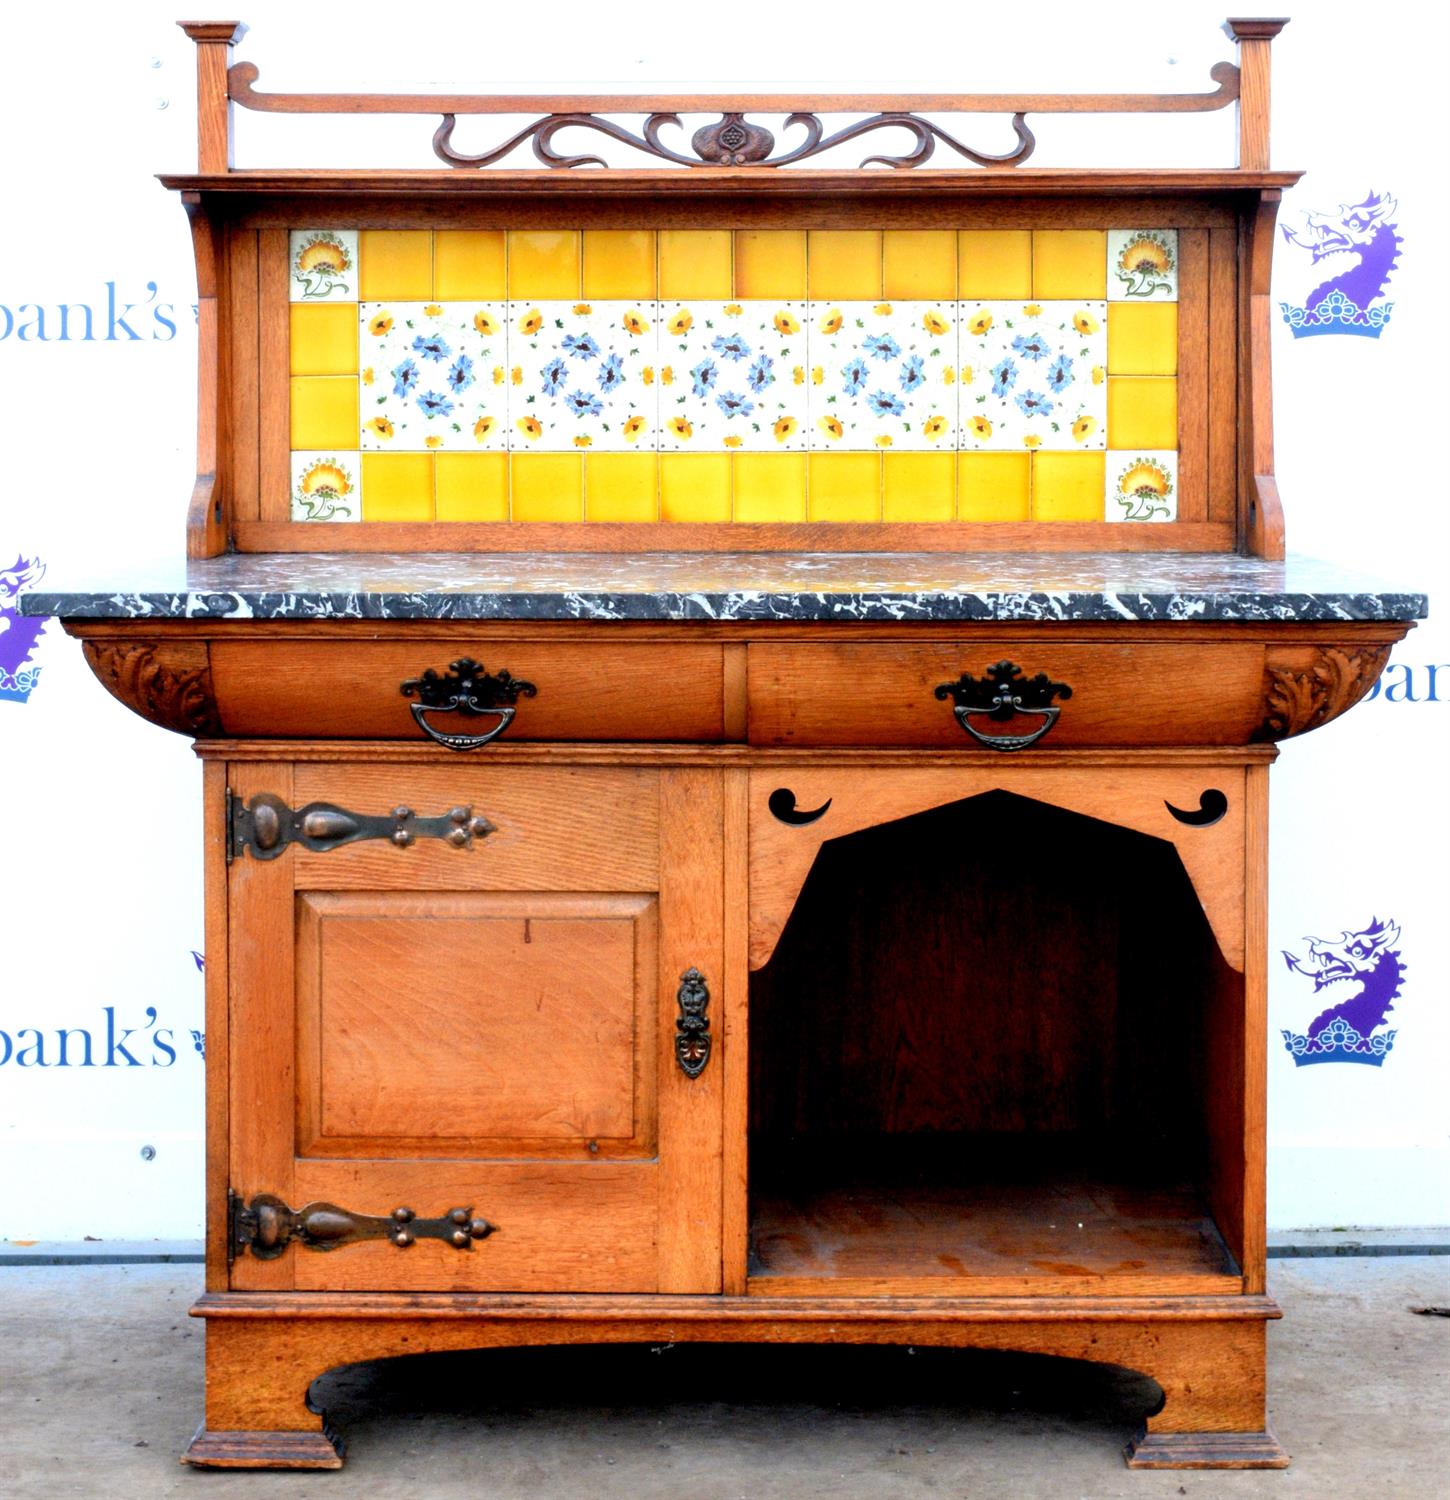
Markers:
point(350, 690)
point(884, 693)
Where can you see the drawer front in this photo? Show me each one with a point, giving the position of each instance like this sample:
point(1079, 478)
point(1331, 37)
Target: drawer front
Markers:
point(884, 693)
point(346, 690)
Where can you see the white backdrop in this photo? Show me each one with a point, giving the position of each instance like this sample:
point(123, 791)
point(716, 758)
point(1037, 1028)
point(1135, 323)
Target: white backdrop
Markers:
point(100, 865)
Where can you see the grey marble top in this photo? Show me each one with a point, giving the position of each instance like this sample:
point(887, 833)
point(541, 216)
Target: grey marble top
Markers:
point(911, 586)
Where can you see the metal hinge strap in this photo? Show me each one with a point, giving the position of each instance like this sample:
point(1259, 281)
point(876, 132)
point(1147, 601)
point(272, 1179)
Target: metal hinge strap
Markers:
point(264, 826)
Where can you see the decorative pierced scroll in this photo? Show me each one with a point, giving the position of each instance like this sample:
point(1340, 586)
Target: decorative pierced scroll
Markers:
point(732, 140)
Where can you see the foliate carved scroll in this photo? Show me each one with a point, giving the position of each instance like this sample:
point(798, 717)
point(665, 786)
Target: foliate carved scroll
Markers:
point(167, 682)
point(733, 141)
point(1298, 699)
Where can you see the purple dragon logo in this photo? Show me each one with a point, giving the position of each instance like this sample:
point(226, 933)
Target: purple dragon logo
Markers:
point(1345, 1032)
point(1345, 303)
point(18, 634)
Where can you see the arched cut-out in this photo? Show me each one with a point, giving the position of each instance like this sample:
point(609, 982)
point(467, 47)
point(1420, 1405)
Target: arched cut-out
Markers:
point(1130, 798)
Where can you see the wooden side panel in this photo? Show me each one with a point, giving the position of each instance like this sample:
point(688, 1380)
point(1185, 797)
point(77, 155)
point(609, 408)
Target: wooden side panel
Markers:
point(274, 473)
point(479, 1025)
point(243, 375)
point(1193, 390)
point(735, 1213)
point(1256, 1007)
point(691, 936)
point(262, 1027)
point(218, 1050)
point(1223, 346)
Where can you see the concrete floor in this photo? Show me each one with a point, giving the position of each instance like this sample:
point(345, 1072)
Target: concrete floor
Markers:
point(100, 1389)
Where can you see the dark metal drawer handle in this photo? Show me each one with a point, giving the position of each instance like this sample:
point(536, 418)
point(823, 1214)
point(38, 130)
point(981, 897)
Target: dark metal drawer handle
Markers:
point(266, 1227)
point(471, 691)
point(1001, 694)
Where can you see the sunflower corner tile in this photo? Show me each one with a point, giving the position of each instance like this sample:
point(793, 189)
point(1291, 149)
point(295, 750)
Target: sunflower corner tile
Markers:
point(322, 265)
point(1142, 265)
point(326, 487)
point(1142, 486)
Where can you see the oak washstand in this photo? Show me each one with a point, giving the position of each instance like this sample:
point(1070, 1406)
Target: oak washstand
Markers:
point(736, 705)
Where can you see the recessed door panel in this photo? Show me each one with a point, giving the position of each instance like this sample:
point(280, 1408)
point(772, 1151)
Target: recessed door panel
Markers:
point(484, 1025)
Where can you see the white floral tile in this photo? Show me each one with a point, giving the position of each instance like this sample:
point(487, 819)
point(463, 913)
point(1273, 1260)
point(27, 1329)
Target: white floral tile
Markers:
point(1142, 265)
point(322, 265)
point(434, 375)
point(1142, 486)
point(578, 376)
point(1034, 375)
point(883, 374)
point(326, 487)
point(733, 375)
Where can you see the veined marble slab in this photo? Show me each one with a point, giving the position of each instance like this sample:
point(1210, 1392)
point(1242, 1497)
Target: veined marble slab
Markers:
point(727, 586)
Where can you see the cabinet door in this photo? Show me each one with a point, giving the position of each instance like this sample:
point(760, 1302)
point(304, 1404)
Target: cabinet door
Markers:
point(492, 1028)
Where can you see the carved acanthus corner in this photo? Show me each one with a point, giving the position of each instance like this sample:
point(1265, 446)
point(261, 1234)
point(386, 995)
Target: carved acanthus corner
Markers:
point(1298, 699)
point(166, 682)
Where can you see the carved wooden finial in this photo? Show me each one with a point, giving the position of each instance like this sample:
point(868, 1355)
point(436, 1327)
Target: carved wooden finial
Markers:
point(214, 42)
point(1253, 34)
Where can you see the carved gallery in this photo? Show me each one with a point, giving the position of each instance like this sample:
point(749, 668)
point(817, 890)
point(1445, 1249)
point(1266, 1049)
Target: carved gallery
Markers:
point(736, 695)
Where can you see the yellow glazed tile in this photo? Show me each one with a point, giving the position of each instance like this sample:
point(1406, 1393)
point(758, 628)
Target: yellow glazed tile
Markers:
point(397, 486)
point(694, 486)
point(471, 486)
point(770, 263)
point(469, 265)
point(323, 338)
point(770, 486)
point(918, 486)
point(619, 263)
point(543, 263)
point(845, 487)
point(919, 264)
point(1070, 263)
point(1143, 338)
point(994, 486)
point(695, 263)
point(1142, 411)
point(994, 264)
point(842, 263)
point(395, 265)
point(324, 411)
point(547, 486)
point(1067, 486)
point(621, 487)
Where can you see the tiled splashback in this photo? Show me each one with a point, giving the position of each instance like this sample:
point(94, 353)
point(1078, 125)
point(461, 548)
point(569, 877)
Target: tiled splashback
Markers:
point(716, 375)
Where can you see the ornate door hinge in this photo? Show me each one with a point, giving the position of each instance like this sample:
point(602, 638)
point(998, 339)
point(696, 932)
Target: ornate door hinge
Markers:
point(266, 1227)
point(265, 825)
point(692, 1028)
